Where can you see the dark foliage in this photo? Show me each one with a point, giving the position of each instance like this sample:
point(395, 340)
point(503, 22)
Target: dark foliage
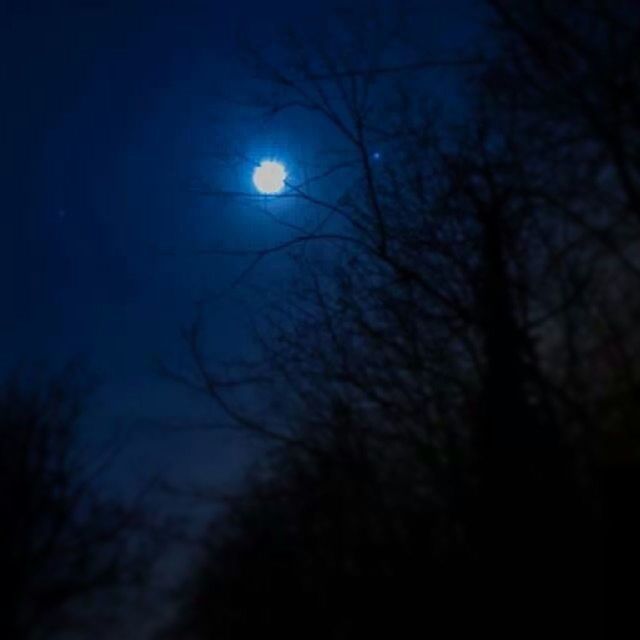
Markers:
point(65, 549)
point(458, 386)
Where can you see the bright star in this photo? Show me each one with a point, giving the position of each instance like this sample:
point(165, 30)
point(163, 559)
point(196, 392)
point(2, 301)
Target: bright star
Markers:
point(269, 177)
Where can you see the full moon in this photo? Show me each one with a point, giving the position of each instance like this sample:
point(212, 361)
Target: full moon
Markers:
point(269, 177)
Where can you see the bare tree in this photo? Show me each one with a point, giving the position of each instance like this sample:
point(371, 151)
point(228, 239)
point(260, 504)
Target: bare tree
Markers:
point(473, 327)
point(68, 552)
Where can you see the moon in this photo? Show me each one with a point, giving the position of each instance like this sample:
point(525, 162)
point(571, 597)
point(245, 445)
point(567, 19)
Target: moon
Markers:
point(269, 177)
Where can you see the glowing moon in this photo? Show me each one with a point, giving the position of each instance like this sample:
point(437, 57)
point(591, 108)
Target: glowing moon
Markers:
point(269, 177)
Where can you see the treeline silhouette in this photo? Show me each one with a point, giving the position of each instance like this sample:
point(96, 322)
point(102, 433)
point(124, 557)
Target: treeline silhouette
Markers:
point(456, 384)
point(70, 554)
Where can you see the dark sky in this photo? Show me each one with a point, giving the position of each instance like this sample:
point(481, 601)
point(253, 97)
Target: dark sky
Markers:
point(107, 114)
point(108, 111)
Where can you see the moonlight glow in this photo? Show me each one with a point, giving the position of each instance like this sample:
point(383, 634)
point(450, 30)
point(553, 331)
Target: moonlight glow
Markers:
point(269, 177)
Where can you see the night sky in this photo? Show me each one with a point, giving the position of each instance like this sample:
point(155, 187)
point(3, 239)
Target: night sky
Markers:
point(110, 112)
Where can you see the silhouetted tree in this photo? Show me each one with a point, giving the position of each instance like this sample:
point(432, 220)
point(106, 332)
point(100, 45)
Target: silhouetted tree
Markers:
point(459, 372)
point(570, 71)
point(67, 551)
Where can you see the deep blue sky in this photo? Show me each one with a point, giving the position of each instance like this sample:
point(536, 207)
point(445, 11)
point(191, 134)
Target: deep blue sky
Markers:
point(107, 114)
point(109, 109)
